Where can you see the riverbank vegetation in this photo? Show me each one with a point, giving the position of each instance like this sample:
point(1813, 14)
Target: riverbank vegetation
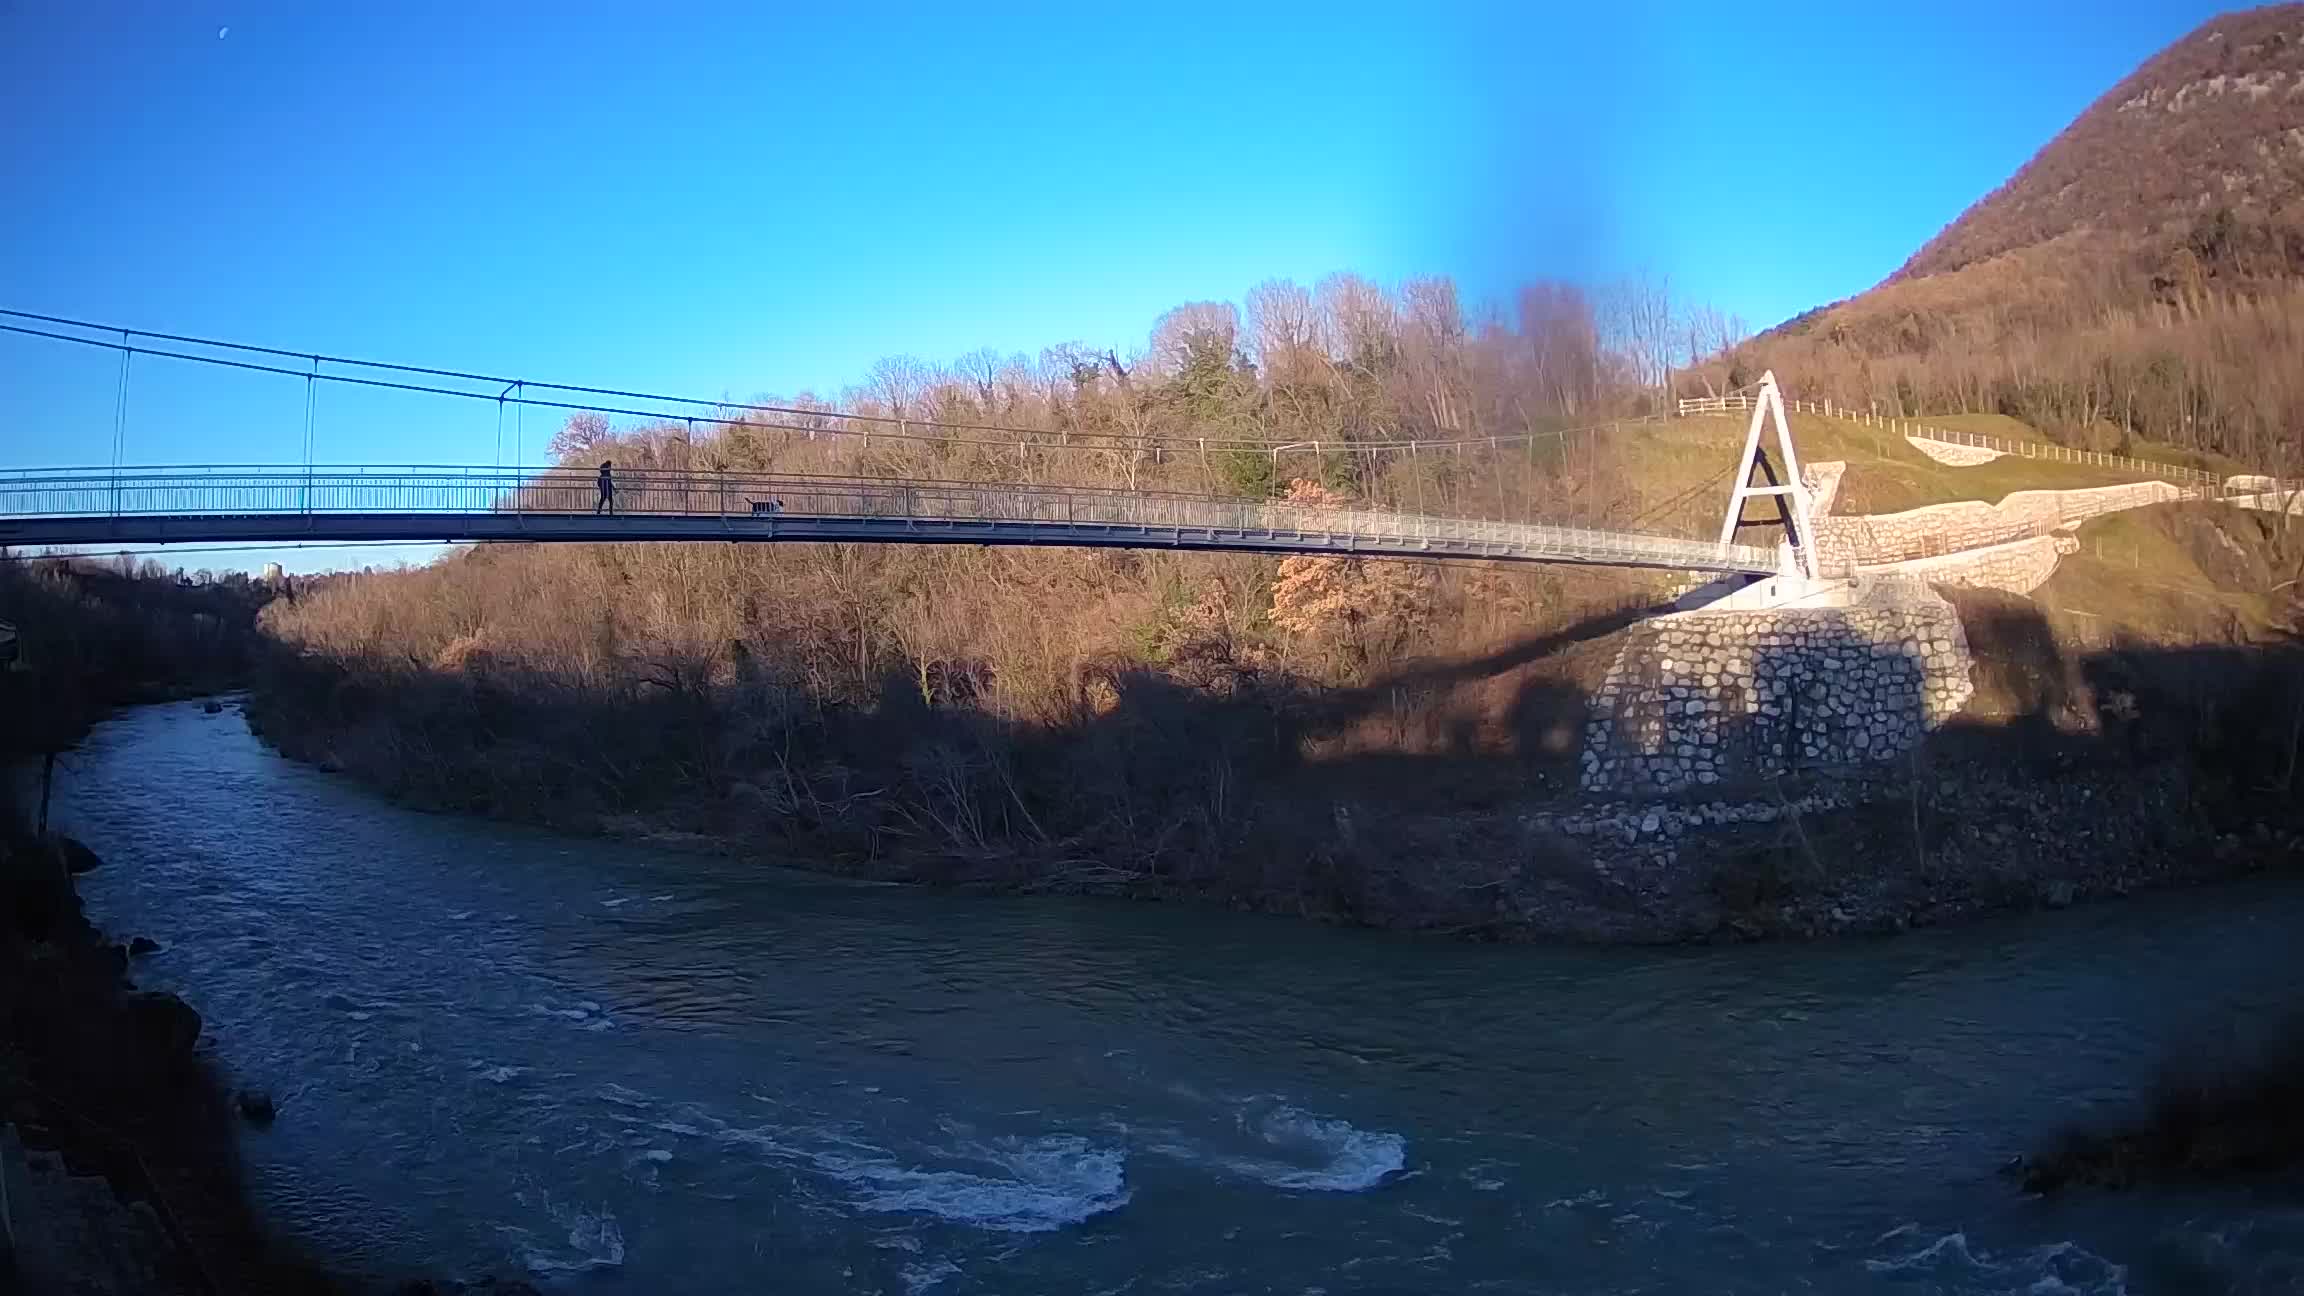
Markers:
point(1060, 720)
point(2217, 1112)
point(1313, 734)
point(98, 633)
point(1358, 738)
point(1056, 717)
point(1240, 771)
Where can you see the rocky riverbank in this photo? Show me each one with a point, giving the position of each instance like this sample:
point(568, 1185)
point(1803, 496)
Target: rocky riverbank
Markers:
point(2223, 1111)
point(1857, 851)
point(103, 1082)
point(1959, 830)
point(120, 1138)
point(1883, 850)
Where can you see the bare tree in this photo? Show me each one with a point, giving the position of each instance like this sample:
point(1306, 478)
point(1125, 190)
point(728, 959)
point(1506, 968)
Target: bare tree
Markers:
point(1709, 336)
point(1433, 342)
point(1195, 330)
point(1562, 345)
point(1636, 322)
point(1286, 329)
point(981, 370)
point(576, 439)
point(900, 383)
point(1360, 324)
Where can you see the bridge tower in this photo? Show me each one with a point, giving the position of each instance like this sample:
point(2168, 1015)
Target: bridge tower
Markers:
point(1793, 507)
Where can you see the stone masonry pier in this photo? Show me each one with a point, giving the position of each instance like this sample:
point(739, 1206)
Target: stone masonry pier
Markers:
point(1702, 698)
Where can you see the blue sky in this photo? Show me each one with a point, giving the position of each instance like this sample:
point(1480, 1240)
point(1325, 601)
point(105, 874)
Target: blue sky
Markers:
point(733, 198)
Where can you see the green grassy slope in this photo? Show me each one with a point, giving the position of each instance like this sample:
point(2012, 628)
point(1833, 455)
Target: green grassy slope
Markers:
point(2173, 573)
point(1693, 457)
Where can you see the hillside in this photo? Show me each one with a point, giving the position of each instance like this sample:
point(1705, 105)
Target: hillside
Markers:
point(2221, 115)
point(2142, 277)
point(1277, 732)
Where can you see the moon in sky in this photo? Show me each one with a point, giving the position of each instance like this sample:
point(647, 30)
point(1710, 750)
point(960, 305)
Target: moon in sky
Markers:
point(223, 32)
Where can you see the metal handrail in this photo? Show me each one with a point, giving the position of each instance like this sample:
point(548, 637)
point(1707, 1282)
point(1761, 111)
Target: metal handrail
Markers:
point(885, 505)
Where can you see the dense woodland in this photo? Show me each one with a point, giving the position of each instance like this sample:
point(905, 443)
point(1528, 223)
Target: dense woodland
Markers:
point(1140, 710)
point(1388, 396)
point(98, 634)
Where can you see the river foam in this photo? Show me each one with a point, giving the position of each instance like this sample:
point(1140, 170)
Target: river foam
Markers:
point(594, 1241)
point(1950, 1264)
point(1274, 1142)
point(1013, 1184)
point(586, 1015)
point(1345, 1158)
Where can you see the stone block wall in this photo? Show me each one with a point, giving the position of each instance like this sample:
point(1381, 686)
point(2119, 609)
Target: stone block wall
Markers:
point(2019, 567)
point(1701, 698)
point(1972, 524)
point(1953, 454)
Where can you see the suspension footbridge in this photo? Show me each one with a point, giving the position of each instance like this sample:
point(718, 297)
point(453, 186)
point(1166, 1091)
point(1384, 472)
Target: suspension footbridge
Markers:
point(126, 503)
point(172, 505)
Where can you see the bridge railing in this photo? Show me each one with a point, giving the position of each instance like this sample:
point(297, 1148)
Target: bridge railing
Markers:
point(371, 491)
point(454, 489)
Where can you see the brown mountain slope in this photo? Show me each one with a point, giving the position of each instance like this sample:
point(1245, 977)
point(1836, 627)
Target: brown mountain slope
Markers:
point(2214, 121)
point(2142, 276)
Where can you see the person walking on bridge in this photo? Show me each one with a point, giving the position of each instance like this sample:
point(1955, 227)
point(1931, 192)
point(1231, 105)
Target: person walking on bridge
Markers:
point(607, 488)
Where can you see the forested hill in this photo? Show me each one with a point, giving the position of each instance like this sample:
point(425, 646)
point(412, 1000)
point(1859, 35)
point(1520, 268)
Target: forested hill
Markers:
point(2141, 277)
point(2212, 124)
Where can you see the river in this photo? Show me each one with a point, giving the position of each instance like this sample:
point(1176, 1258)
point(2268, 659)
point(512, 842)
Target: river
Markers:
point(618, 1068)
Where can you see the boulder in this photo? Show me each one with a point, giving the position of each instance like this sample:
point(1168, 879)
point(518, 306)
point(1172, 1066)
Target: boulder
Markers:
point(255, 1106)
point(141, 945)
point(77, 858)
point(163, 1028)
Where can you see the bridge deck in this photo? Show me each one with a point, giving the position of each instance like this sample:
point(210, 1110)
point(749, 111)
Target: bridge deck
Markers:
point(182, 505)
